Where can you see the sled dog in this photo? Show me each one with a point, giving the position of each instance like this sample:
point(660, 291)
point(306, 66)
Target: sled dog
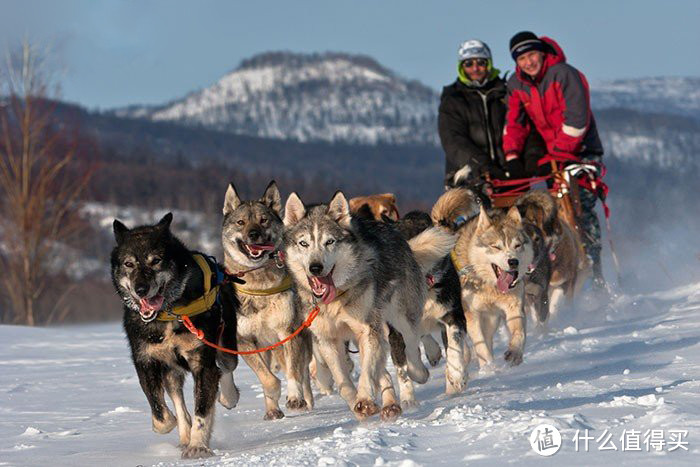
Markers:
point(364, 275)
point(156, 277)
point(270, 307)
point(379, 205)
point(442, 313)
point(570, 266)
point(492, 255)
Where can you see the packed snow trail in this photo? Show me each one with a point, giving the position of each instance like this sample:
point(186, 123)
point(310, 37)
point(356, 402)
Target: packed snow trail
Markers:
point(70, 396)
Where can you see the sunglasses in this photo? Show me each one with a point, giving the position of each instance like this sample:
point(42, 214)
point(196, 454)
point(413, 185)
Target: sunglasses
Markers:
point(475, 61)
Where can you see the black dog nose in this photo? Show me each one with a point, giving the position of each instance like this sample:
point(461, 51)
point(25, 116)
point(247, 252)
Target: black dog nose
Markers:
point(254, 235)
point(513, 263)
point(141, 290)
point(316, 268)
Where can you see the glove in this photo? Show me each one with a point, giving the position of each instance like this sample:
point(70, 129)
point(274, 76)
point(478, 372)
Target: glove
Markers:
point(514, 168)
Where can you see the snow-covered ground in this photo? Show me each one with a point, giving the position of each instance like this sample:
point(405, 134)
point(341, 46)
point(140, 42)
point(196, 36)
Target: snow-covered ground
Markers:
point(70, 396)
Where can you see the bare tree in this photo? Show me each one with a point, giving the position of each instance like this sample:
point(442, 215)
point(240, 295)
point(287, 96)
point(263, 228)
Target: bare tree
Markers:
point(40, 184)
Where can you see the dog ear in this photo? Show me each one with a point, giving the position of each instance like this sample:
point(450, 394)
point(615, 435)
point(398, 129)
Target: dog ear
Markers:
point(484, 221)
point(294, 210)
point(272, 197)
point(389, 197)
point(339, 209)
point(232, 200)
point(514, 214)
point(164, 223)
point(120, 231)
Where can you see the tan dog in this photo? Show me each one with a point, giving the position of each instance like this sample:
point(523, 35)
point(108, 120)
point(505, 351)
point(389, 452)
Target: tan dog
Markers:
point(492, 255)
point(379, 205)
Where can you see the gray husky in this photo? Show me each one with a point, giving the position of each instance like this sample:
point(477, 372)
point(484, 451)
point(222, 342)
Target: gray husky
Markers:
point(270, 307)
point(365, 276)
point(492, 256)
point(156, 277)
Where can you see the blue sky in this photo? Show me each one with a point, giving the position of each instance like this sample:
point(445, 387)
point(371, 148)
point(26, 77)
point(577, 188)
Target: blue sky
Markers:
point(114, 53)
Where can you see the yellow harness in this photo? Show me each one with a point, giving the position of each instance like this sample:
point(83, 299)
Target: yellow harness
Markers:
point(199, 305)
point(283, 287)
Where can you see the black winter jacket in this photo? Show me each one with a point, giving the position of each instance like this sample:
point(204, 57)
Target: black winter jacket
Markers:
point(470, 124)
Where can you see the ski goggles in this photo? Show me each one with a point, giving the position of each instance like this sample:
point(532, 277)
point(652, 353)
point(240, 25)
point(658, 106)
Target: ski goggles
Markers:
point(470, 62)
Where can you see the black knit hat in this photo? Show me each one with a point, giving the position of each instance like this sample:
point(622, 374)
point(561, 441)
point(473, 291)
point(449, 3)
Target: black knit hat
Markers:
point(525, 41)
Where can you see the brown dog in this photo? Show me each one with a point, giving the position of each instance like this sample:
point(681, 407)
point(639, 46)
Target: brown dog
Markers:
point(379, 205)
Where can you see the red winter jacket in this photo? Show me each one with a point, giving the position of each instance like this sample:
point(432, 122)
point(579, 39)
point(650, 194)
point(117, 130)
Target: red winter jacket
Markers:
point(558, 104)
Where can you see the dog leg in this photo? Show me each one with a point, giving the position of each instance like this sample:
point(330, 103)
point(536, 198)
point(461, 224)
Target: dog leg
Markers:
point(228, 392)
point(398, 356)
point(305, 360)
point(270, 383)
point(416, 369)
point(206, 386)
point(476, 334)
point(151, 377)
point(294, 355)
point(320, 372)
point(390, 409)
point(432, 349)
point(372, 361)
point(515, 322)
point(456, 375)
point(556, 298)
point(331, 354)
point(174, 381)
point(489, 325)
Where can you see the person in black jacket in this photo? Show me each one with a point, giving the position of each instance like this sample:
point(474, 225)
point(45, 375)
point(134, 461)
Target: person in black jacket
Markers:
point(471, 118)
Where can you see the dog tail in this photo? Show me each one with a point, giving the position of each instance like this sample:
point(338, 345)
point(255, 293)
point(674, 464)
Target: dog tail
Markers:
point(430, 246)
point(452, 204)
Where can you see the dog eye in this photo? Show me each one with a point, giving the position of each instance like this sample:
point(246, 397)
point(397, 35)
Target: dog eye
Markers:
point(240, 222)
point(495, 247)
point(263, 220)
point(155, 261)
point(304, 244)
point(330, 242)
point(517, 247)
point(128, 264)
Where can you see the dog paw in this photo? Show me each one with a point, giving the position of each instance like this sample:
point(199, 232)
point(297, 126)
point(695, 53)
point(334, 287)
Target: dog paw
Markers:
point(296, 404)
point(274, 414)
point(166, 425)
point(229, 400)
point(365, 408)
point(514, 357)
point(418, 373)
point(409, 404)
point(391, 412)
point(196, 452)
point(456, 384)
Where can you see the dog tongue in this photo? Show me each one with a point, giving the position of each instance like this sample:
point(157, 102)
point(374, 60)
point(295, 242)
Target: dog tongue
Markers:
point(329, 291)
point(151, 304)
point(504, 280)
point(256, 248)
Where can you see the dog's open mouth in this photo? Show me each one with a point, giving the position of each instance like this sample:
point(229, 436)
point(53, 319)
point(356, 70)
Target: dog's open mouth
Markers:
point(255, 251)
point(149, 307)
point(505, 280)
point(323, 288)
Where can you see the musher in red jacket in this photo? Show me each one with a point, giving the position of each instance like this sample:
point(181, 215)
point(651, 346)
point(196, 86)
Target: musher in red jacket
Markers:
point(555, 96)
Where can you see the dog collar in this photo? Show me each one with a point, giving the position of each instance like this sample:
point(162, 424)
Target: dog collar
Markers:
point(201, 304)
point(283, 287)
point(461, 270)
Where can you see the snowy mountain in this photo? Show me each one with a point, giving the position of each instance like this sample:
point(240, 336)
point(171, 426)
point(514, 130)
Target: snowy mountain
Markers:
point(667, 95)
point(70, 396)
point(327, 97)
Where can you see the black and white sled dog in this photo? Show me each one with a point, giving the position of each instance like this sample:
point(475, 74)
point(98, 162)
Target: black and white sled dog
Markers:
point(270, 307)
point(365, 275)
point(442, 313)
point(157, 277)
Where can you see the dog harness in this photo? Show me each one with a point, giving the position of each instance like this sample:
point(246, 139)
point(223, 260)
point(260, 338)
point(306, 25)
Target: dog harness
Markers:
point(201, 304)
point(285, 285)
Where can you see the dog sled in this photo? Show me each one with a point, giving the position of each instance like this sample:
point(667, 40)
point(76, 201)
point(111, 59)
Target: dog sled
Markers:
point(565, 182)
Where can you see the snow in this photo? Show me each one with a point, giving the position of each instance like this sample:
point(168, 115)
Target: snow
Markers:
point(70, 396)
